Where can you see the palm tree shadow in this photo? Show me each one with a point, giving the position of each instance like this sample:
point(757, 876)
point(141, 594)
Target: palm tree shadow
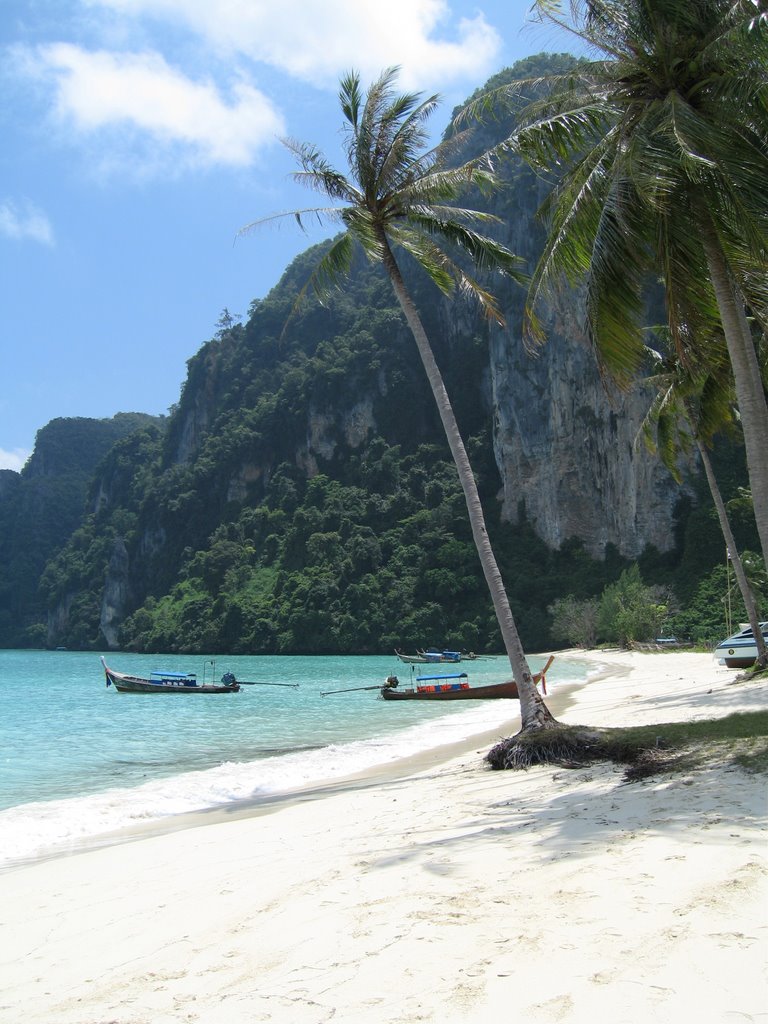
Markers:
point(593, 810)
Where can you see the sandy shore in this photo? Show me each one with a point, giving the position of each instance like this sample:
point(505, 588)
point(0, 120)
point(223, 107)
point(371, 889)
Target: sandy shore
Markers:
point(450, 894)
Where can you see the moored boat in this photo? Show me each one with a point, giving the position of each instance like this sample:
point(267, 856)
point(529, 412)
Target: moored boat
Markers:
point(432, 657)
point(411, 659)
point(456, 686)
point(166, 682)
point(740, 649)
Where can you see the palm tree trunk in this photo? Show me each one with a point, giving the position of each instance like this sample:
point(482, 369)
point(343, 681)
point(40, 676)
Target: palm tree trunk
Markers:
point(738, 567)
point(534, 713)
point(746, 374)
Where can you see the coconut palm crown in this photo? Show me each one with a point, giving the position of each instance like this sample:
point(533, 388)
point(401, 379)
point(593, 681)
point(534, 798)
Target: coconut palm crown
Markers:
point(399, 192)
point(661, 146)
point(400, 198)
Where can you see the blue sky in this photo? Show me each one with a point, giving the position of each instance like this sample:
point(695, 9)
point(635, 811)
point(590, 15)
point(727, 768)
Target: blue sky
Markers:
point(139, 136)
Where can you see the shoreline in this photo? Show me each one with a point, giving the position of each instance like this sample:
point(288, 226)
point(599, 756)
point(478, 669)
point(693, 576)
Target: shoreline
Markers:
point(143, 824)
point(444, 892)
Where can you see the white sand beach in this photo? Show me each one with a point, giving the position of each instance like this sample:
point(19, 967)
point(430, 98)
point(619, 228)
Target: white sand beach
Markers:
point(448, 893)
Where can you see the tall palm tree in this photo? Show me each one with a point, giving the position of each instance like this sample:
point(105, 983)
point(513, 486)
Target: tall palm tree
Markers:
point(399, 199)
point(696, 405)
point(664, 145)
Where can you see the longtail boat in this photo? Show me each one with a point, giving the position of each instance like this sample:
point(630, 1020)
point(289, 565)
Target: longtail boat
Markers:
point(430, 657)
point(456, 686)
point(166, 682)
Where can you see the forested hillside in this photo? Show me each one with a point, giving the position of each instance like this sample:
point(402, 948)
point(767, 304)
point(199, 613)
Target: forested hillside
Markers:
point(301, 498)
point(41, 506)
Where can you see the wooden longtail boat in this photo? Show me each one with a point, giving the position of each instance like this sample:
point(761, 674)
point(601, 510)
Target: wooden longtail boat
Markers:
point(430, 657)
point(455, 686)
point(165, 682)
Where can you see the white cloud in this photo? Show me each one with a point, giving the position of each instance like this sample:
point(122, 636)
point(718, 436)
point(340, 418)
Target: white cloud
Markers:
point(141, 95)
point(315, 40)
point(23, 221)
point(13, 459)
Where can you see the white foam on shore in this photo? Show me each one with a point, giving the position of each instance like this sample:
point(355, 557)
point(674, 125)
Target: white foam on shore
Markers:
point(38, 830)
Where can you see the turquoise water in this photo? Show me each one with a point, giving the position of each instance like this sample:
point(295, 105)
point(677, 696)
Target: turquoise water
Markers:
point(78, 759)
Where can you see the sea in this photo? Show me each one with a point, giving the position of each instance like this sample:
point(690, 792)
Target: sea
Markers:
point(80, 761)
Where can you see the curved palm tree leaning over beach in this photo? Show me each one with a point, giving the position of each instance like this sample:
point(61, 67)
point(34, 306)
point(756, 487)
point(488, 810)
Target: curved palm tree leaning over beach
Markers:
point(664, 146)
point(399, 196)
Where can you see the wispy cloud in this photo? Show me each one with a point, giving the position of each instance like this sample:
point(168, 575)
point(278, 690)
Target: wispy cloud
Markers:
point(143, 96)
point(316, 41)
point(14, 459)
point(138, 104)
point(23, 221)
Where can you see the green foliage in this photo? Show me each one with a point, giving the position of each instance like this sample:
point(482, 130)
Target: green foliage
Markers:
point(630, 611)
point(301, 497)
point(716, 607)
point(574, 621)
point(42, 506)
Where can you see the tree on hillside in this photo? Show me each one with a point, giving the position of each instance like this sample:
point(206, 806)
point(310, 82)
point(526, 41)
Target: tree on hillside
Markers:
point(663, 147)
point(692, 406)
point(398, 200)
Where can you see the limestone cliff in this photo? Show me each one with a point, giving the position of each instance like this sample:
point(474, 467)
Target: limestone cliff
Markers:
point(567, 450)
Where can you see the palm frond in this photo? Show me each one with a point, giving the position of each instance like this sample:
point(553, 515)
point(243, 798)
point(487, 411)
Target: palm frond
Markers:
point(403, 190)
point(485, 253)
point(615, 291)
point(351, 97)
point(559, 135)
point(332, 266)
point(599, 23)
point(674, 109)
point(321, 214)
point(573, 214)
point(447, 274)
point(430, 257)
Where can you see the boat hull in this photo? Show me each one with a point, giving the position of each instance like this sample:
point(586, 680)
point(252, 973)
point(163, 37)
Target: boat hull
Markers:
point(495, 691)
point(740, 662)
point(430, 658)
point(738, 657)
point(134, 684)
point(144, 686)
point(740, 650)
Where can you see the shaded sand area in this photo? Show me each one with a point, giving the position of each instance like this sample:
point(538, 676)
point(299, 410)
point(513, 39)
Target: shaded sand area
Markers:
point(449, 894)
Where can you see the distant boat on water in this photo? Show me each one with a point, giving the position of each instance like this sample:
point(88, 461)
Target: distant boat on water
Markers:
point(434, 657)
point(167, 682)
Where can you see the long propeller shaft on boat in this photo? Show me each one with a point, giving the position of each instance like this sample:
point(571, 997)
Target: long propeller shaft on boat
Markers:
point(244, 682)
point(351, 689)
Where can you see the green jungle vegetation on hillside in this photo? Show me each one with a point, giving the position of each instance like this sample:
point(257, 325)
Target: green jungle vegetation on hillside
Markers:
point(42, 506)
point(220, 531)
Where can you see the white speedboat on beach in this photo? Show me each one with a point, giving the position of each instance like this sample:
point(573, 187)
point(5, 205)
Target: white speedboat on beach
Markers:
point(740, 650)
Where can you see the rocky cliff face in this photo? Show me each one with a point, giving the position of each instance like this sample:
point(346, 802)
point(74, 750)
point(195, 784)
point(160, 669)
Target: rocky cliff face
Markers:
point(116, 594)
point(346, 375)
point(567, 452)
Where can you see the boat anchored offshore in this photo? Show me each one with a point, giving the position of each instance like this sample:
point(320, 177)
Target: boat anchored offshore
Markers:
point(456, 686)
point(167, 682)
point(740, 650)
point(430, 657)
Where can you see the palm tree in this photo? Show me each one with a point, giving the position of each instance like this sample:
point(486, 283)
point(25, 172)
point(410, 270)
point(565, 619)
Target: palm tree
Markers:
point(664, 146)
point(399, 196)
point(695, 406)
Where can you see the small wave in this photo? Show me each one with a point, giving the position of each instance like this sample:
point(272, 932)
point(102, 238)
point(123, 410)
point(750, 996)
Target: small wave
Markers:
point(140, 789)
point(36, 830)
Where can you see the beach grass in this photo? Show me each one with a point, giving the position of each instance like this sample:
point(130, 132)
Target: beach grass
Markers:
point(740, 739)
